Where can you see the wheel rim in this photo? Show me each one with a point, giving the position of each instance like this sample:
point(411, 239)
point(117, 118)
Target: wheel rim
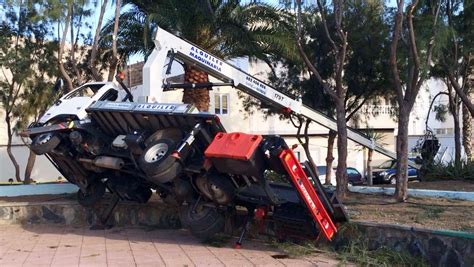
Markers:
point(393, 180)
point(156, 152)
point(44, 138)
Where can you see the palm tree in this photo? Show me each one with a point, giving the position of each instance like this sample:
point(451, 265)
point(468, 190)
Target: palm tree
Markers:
point(225, 28)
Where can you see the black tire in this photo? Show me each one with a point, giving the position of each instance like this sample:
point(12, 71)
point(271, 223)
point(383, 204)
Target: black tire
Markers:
point(45, 143)
point(174, 134)
point(95, 192)
point(157, 163)
point(204, 222)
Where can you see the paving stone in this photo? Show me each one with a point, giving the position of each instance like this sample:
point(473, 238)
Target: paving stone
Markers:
point(51, 245)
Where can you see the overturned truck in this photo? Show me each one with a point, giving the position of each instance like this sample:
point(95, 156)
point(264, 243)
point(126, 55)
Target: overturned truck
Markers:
point(100, 139)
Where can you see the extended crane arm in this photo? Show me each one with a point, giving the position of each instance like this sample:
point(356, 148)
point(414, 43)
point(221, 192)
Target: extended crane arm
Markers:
point(167, 44)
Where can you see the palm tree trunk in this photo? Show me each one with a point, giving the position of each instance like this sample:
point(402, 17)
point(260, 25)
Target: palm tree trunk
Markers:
point(467, 132)
point(29, 167)
point(197, 97)
point(369, 167)
point(114, 60)
point(9, 148)
point(330, 156)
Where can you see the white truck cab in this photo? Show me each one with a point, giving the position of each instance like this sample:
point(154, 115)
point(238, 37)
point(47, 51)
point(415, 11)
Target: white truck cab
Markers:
point(73, 105)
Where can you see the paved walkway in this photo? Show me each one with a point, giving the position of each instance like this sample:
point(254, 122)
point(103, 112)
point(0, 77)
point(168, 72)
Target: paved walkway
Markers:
point(57, 245)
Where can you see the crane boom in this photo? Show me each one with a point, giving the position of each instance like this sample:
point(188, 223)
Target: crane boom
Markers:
point(167, 44)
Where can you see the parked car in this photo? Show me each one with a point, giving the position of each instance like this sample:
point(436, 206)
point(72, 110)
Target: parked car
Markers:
point(385, 173)
point(354, 177)
point(322, 175)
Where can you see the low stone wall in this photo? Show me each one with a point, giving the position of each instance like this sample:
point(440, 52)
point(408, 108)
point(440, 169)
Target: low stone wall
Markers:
point(439, 248)
point(159, 215)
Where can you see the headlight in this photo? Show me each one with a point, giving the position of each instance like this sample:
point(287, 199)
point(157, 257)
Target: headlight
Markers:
point(383, 173)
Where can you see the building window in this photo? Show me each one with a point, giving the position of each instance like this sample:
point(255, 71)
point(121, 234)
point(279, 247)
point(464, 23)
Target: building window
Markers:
point(221, 104)
point(444, 131)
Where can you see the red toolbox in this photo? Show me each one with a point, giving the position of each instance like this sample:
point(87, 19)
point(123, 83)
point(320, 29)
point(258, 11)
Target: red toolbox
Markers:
point(237, 153)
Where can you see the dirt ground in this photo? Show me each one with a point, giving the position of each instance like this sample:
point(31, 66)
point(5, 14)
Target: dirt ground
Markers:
point(431, 213)
point(448, 185)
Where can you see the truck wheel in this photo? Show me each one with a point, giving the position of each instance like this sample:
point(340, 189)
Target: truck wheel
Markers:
point(95, 192)
point(44, 143)
point(203, 222)
point(174, 134)
point(157, 163)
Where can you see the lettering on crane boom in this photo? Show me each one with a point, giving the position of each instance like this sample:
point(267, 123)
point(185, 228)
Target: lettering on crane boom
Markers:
point(255, 85)
point(205, 58)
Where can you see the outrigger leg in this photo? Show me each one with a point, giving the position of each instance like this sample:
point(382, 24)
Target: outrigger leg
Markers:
point(103, 222)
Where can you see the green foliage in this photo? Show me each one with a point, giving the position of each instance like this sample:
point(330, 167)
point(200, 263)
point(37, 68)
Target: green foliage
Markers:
point(227, 29)
point(450, 171)
point(366, 72)
point(25, 59)
point(441, 111)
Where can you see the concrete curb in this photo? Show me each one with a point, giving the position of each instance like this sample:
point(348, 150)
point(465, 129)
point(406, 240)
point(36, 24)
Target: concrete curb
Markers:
point(415, 192)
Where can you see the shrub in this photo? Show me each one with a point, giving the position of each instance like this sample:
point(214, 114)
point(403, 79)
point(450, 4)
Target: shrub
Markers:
point(450, 171)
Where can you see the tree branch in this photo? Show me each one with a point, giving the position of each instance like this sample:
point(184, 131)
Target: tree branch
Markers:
point(465, 99)
point(62, 70)
point(393, 51)
point(326, 30)
point(411, 90)
point(306, 60)
point(92, 65)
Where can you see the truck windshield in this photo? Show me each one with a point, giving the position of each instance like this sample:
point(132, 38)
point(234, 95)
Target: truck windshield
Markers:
point(85, 91)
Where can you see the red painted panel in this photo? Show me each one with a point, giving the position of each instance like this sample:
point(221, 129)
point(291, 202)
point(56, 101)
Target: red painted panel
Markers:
point(233, 145)
point(308, 193)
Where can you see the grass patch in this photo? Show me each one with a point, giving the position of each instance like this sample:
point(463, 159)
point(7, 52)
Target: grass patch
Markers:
point(218, 241)
point(295, 250)
point(431, 212)
point(357, 252)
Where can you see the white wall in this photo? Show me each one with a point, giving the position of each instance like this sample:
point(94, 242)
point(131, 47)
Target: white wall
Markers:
point(43, 170)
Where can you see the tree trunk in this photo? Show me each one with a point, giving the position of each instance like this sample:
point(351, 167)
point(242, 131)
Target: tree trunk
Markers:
point(401, 189)
point(457, 138)
point(29, 167)
point(95, 44)
point(369, 167)
point(341, 174)
point(197, 97)
point(454, 110)
point(9, 148)
point(329, 156)
point(114, 59)
point(467, 132)
point(62, 70)
point(72, 51)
